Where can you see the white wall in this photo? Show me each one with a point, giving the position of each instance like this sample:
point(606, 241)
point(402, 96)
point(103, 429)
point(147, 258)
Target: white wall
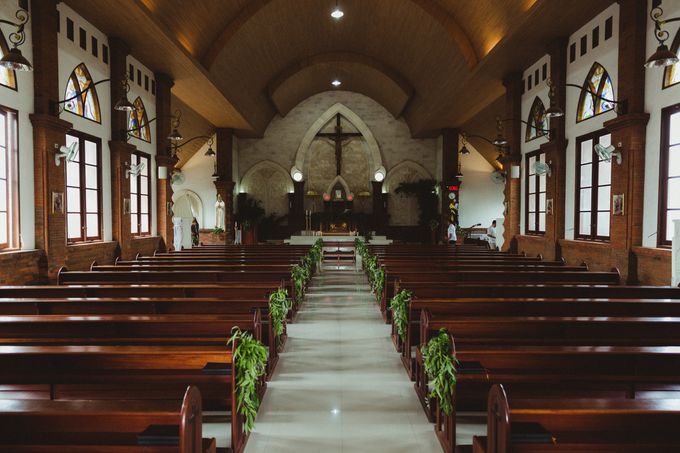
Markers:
point(607, 54)
point(22, 101)
point(538, 89)
point(656, 99)
point(481, 200)
point(198, 178)
point(70, 56)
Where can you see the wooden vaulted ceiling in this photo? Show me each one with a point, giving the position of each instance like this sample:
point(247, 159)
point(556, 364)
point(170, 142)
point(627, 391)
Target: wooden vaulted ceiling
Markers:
point(437, 63)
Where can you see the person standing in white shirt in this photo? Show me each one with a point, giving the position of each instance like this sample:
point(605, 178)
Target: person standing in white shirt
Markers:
point(451, 233)
point(491, 235)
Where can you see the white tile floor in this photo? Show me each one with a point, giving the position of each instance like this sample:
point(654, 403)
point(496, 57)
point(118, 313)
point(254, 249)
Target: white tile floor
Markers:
point(340, 386)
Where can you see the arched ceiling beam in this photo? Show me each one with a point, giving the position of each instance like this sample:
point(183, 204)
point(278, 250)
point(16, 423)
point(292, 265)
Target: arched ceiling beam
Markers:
point(434, 9)
point(339, 57)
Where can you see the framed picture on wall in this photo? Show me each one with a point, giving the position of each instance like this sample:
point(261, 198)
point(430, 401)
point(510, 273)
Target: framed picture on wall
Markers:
point(57, 202)
point(126, 206)
point(618, 204)
point(549, 206)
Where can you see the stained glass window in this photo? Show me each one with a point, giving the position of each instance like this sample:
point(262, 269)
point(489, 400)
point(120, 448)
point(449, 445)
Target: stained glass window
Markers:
point(8, 77)
point(538, 122)
point(598, 82)
point(671, 74)
point(81, 95)
point(138, 124)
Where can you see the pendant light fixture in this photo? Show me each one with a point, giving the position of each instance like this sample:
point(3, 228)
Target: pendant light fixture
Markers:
point(663, 56)
point(337, 12)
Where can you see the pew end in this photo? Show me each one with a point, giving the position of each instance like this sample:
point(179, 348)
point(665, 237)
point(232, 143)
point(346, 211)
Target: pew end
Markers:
point(94, 264)
point(62, 270)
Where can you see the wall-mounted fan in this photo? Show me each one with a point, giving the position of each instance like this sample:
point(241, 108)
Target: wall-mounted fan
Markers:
point(134, 170)
point(177, 177)
point(498, 177)
point(542, 168)
point(606, 153)
point(68, 153)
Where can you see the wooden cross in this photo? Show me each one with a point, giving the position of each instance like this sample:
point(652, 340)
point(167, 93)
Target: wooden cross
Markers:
point(339, 138)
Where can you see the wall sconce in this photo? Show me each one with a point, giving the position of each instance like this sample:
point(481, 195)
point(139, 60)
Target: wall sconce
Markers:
point(162, 173)
point(296, 174)
point(174, 136)
point(14, 60)
point(663, 56)
point(379, 175)
point(122, 105)
point(514, 171)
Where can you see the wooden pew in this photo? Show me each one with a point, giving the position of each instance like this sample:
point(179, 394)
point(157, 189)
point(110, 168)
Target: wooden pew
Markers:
point(44, 426)
point(617, 372)
point(123, 372)
point(578, 425)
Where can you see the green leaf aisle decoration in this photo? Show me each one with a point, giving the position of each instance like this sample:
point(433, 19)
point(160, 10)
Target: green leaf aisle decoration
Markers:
point(279, 305)
point(399, 306)
point(250, 358)
point(440, 366)
point(375, 273)
point(300, 276)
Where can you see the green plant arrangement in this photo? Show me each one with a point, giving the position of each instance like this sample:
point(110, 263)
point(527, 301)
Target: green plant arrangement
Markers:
point(374, 272)
point(299, 275)
point(440, 366)
point(217, 231)
point(399, 307)
point(250, 357)
point(279, 305)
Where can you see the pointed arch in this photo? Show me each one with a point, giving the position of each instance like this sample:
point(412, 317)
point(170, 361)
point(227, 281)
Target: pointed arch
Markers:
point(8, 77)
point(671, 74)
point(597, 81)
point(245, 184)
point(537, 121)
point(404, 166)
point(338, 180)
point(82, 94)
point(370, 143)
point(138, 123)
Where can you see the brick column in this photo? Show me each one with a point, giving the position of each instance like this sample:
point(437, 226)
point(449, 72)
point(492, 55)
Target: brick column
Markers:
point(120, 149)
point(556, 152)
point(630, 129)
point(513, 134)
point(49, 133)
point(379, 209)
point(225, 181)
point(163, 158)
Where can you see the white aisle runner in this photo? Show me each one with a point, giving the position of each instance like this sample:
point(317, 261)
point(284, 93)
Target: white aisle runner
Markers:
point(340, 386)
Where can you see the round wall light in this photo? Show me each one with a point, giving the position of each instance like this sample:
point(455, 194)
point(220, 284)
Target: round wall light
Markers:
point(379, 175)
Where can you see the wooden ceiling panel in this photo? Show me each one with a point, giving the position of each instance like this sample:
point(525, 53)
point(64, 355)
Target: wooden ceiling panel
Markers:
point(354, 76)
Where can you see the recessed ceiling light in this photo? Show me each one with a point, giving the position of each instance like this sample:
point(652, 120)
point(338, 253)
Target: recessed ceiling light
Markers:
point(336, 83)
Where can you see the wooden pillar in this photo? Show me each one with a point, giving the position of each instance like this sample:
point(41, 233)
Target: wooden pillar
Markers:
point(513, 134)
point(164, 158)
point(629, 129)
point(225, 180)
point(296, 216)
point(379, 208)
point(49, 133)
point(556, 153)
point(120, 149)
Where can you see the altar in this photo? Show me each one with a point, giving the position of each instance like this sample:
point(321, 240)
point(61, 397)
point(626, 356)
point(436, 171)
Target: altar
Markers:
point(311, 237)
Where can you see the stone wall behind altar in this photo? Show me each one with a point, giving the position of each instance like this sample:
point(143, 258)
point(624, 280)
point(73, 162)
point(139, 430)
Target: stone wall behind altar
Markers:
point(284, 134)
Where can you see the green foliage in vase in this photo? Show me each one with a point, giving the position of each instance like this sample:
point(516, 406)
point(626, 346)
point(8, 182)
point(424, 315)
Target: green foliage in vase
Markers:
point(399, 307)
point(440, 366)
point(250, 359)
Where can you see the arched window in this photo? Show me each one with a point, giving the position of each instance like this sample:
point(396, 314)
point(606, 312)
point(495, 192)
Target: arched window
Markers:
point(671, 74)
point(598, 81)
point(8, 77)
point(82, 101)
point(538, 122)
point(138, 124)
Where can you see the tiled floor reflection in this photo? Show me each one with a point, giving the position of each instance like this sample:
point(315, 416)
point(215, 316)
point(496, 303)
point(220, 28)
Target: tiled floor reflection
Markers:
point(340, 385)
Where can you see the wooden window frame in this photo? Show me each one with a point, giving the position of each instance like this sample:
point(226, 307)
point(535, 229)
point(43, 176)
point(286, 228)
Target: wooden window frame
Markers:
point(12, 166)
point(535, 231)
point(666, 114)
point(594, 185)
point(138, 195)
point(82, 137)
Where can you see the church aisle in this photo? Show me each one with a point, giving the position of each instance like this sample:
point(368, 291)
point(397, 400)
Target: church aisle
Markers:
point(340, 385)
